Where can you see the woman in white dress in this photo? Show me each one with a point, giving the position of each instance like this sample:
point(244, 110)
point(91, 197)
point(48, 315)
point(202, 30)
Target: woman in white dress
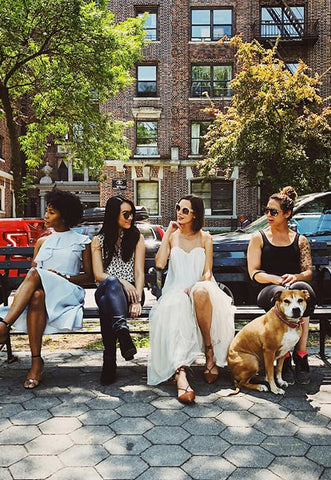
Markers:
point(193, 315)
point(51, 290)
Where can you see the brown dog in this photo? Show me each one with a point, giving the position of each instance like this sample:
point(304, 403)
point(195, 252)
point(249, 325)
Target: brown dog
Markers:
point(266, 339)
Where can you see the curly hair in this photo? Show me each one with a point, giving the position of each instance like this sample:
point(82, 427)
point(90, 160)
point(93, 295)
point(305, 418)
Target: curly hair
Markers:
point(198, 209)
point(110, 230)
point(286, 198)
point(68, 204)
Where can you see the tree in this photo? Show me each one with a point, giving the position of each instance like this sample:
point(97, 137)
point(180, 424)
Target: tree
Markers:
point(276, 127)
point(59, 61)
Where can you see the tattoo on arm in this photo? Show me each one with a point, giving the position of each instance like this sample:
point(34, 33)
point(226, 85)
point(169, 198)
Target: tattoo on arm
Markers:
point(305, 257)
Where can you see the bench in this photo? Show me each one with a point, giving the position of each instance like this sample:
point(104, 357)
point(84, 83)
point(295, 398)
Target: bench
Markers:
point(230, 271)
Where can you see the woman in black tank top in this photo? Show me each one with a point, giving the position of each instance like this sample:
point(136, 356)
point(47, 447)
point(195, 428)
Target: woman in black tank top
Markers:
point(279, 258)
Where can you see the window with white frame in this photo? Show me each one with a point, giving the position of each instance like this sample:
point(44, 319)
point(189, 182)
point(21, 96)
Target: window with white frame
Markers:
point(198, 130)
point(212, 79)
point(210, 24)
point(146, 138)
point(217, 195)
point(150, 22)
point(148, 196)
point(146, 80)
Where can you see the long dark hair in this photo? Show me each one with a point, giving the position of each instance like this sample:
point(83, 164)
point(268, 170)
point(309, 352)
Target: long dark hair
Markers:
point(198, 209)
point(110, 230)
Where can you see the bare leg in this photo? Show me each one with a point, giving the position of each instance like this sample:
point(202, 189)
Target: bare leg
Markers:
point(36, 321)
point(204, 311)
point(185, 394)
point(301, 346)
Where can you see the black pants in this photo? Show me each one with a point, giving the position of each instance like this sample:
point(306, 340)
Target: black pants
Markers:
point(113, 309)
point(265, 297)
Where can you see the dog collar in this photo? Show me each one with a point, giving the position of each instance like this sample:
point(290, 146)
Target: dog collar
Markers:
point(290, 324)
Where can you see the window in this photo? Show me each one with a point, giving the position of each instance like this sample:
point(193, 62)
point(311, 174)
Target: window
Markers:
point(210, 25)
point(147, 138)
point(292, 67)
point(216, 194)
point(213, 79)
point(148, 196)
point(150, 23)
point(198, 130)
point(276, 21)
point(146, 80)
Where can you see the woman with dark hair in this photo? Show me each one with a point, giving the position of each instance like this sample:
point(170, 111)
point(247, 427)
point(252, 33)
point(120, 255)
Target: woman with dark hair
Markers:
point(279, 258)
point(51, 290)
point(118, 258)
point(193, 315)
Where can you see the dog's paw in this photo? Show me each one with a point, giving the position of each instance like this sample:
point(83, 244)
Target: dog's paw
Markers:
point(278, 391)
point(282, 383)
point(263, 388)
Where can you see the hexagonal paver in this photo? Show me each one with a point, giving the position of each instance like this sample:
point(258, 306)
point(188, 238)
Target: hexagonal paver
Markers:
point(58, 425)
point(129, 425)
point(286, 446)
point(315, 435)
point(168, 417)
point(49, 444)
point(83, 455)
point(271, 411)
point(163, 473)
point(167, 403)
point(277, 427)
point(234, 403)
point(76, 473)
point(203, 467)
point(69, 410)
point(203, 411)
point(303, 418)
point(165, 455)
point(304, 469)
point(4, 424)
point(9, 410)
point(237, 418)
point(30, 417)
point(35, 466)
point(326, 475)
point(19, 435)
point(99, 417)
point(121, 467)
point(167, 435)
point(104, 403)
point(254, 456)
point(4, 474)
point(135, 410)
point(320, 454)
point(127, 445)
point(243, 436)
point(92, 434)
point(203, 426)
point(11, 455)
point(253, 474)
point(41, 403)
point(206, 445)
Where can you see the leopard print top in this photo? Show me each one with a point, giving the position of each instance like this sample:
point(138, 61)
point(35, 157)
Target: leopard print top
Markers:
point(117, 266)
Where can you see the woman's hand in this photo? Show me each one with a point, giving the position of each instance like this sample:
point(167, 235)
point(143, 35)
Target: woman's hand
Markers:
point(130, 291)
point(135, 309)
point(288, 279)
point(172, 227)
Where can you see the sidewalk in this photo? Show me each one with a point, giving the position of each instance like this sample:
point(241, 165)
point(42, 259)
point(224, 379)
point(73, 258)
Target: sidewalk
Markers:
point(71, 428)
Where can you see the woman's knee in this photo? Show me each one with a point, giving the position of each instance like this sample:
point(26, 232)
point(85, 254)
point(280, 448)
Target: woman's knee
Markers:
point(200, 295)
point(33, 275)
point(38, 299)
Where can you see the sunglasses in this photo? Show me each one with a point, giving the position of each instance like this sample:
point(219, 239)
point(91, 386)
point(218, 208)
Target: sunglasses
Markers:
point(127, 214)
point(273, 211)
point(184, 210)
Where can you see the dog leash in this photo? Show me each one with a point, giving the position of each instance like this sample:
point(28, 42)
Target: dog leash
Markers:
point(290, 324)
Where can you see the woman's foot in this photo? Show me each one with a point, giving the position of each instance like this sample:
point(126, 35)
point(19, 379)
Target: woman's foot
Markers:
point(211, 372)
point(108, 374)
point(4, 331)
point(35, 373)
point(128, 349)
point(185, 393)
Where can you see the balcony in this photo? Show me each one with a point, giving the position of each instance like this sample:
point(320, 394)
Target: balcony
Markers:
point(289, 32)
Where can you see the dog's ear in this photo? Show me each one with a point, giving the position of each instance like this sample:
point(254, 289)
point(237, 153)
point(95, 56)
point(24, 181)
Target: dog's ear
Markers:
point(277, 295)
point(305, 294)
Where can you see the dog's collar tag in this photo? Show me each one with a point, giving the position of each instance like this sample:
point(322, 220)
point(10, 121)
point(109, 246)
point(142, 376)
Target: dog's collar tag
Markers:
point(290, 324)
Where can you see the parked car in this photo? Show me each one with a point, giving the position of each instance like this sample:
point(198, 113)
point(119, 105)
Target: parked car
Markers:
point(311, 217)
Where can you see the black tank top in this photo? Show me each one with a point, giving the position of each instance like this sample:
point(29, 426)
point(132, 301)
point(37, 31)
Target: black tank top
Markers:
point(280, 260)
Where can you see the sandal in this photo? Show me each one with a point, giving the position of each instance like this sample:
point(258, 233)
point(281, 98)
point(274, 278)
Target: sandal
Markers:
point(31, 383)
point(188, 396)
point(208, 375)
point(2, 344)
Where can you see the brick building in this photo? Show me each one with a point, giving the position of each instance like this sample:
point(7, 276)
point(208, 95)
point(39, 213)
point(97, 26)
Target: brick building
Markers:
point(6, 177)
point(166, 102)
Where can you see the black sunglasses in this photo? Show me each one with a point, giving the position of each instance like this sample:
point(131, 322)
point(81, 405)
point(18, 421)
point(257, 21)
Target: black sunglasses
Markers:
point(184, 210)
point(273, 211)
point(127, 214)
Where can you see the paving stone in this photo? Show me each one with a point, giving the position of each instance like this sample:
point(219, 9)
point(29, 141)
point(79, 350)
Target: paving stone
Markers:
point(203, 426)
point(326, 475)
point(31, 417)
point(98, 417)
point(5, 475)
point(286, 446)
point(203, 467)
point(168, 417)
point(304, 469)
point(83, 455)
point(9, 410)
point(168, 403)
point(254, 456)
point(163, 473)
point(69, 410)
point(35, 467)
point(320, 454)
point(278, 427)
point(11, 455)
point(4, 424)
point(77, 395)
point(104, 403)
point(142, 394)
point(19, 435)
point(315, 435)
point(234, 403)
point(325, 410)
point(58, 425)
point(135, 410)
point(127, 445)
point(49, 444)
point(296, 403)
point(92, 434)
point(76, 473)
point(121, 467)
point(206, 445)
point(303, 417)
point(129, 425)
point(237, 418)
point(269, 411)
point(41, 403)
point(167, 435)
point(243, 436)
point(204, 411)
point(253, 474)
point(165, 455)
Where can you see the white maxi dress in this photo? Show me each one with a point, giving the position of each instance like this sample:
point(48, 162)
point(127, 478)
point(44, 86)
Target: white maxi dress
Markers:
point(62, 252)
point(174, 332)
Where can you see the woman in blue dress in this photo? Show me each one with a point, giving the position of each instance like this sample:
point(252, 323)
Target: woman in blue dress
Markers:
point(50, 299)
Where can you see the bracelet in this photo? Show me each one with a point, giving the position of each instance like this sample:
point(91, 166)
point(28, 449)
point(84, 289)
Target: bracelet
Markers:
point(255, 273)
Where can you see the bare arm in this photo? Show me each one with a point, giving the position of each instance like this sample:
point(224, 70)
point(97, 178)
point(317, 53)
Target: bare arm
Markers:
point(306, 264)
point(254, 252)
point(37, 246)
point(139, 266)
point(162, 255)
point(97, 263)
point(208, 268)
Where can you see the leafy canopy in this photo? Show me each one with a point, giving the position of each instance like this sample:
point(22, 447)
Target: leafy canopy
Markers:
point(276, 127)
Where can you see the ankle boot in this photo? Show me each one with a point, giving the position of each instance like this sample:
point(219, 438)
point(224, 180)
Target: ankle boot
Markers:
point(128, 349)
point(287, 372)
point(108, 374)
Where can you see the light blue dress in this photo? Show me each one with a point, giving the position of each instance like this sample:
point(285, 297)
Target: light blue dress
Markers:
point(62, 252)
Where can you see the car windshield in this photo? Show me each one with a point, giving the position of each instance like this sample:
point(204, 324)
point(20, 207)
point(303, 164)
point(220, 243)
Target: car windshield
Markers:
point(257, 225)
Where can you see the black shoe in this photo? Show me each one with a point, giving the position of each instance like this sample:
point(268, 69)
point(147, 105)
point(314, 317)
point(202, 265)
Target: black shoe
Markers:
point(302, 374)
point(128, 349)
point(108, 374)
point(287, 372)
